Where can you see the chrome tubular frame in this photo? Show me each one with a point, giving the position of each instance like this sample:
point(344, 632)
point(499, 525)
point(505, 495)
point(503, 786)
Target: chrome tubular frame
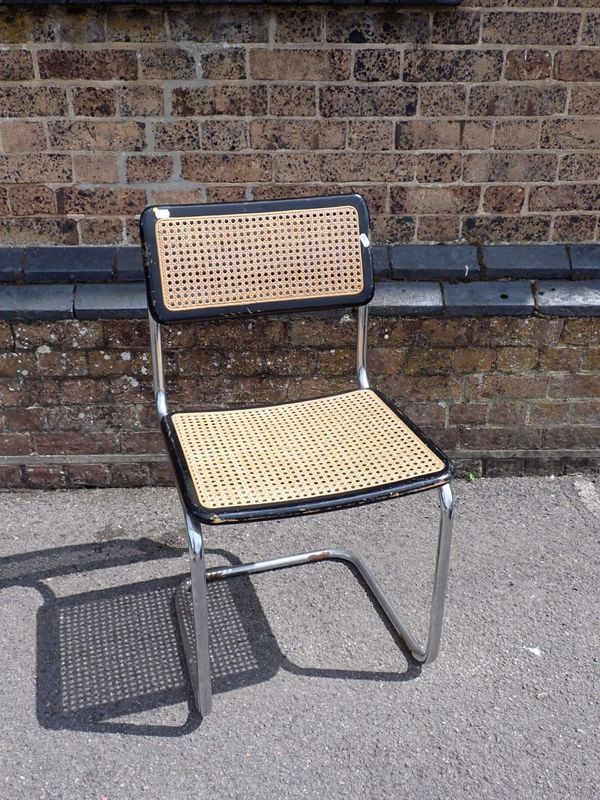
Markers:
point(196, 644)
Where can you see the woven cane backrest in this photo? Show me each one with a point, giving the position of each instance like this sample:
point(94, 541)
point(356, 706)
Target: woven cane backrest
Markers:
point(255, 257)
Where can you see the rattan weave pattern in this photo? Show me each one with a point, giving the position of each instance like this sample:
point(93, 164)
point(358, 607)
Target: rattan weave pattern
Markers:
point(237, 259)
point(315, 448)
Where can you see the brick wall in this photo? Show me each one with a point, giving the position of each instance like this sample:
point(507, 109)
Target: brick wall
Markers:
point(504, 395)
point(476, 122)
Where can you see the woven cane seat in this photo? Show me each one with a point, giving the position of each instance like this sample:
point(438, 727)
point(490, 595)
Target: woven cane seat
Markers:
point(342, 445)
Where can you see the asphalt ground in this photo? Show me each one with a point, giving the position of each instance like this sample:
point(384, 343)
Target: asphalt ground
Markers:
point(313, 698)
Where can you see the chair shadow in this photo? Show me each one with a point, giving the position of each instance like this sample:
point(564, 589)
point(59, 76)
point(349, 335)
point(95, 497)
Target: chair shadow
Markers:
point(111, 653)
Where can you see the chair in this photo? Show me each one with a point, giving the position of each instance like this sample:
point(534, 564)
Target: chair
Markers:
point(332, 452)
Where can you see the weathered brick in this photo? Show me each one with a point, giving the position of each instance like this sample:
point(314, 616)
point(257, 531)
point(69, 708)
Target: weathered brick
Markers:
point(136, 24)
point(452, 65)
point(517, 134)
point(291, 134)
point(11, 477)
point(571, 386)
point(438, 167)
point(571, 134)
point(44, 476)
point(476, 134)
point(228, 99)
point(505, 386)
point(95, 168)
point(455, 27)
point(296, 167)
point(15, 444)
point(373, 135)
point(528, 65)
point(16, 65)
point(393, 228)
point(301, 25)
point(22, 137)
point(443, 100)
point(467, 413)
point(81, 476)
point(224, 135)
point(530, 27)
point(590, 34)
point(376, 25)
point(36, 167)
point(581, 331)
point(28, 419)
point(579, 166)
point(506, 229)
point(574, 228)
point(217, 167)
point(92, 65)
point(512, 100)
point(141, 101)
point(424, 134)
point(585, 99)
point(142, 442)
point(96, 135)
point(436, 228)
point(449, 200)
point(307, 65)
point(129, 475)
point(564, 197)
point(500, 438)
point(167, 63)
point(224, 64)
point(180, 135)
point(509, 167)
point(504, 199)
point(32, 101)
point(148, 169)
point(470, 359)
point(367, 166)
point(32, 199)
point(101, 201)
point(101, 230)
point(584, 437)
point(577, 65)
point(293, 101)
point(378, 65)
point(561, 359)
point(367, 101)
point(206, 24)
point(91, 101)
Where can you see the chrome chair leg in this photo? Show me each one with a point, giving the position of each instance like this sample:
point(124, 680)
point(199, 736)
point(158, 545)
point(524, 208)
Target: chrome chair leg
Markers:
point(198, 653)
point(201, 682)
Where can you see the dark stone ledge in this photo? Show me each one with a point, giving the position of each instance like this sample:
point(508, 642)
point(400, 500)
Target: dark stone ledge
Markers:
point(400, 262)
point(392, 298)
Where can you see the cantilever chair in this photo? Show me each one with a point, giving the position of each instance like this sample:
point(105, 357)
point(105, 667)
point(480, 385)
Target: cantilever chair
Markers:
point(332, 452)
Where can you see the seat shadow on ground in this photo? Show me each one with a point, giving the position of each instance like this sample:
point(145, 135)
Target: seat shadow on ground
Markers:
point(111, 653)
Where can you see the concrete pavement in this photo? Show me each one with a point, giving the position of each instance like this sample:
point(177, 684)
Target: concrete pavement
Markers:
point(312, 697)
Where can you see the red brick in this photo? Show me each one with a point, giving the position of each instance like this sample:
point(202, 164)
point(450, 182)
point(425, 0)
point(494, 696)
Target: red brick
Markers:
point(570, 386)
point(44, 476)
point(81, 476)
point(143, 442)
point(10, 477)
point(74, 443)
point(15, 444)
point(506, 386)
